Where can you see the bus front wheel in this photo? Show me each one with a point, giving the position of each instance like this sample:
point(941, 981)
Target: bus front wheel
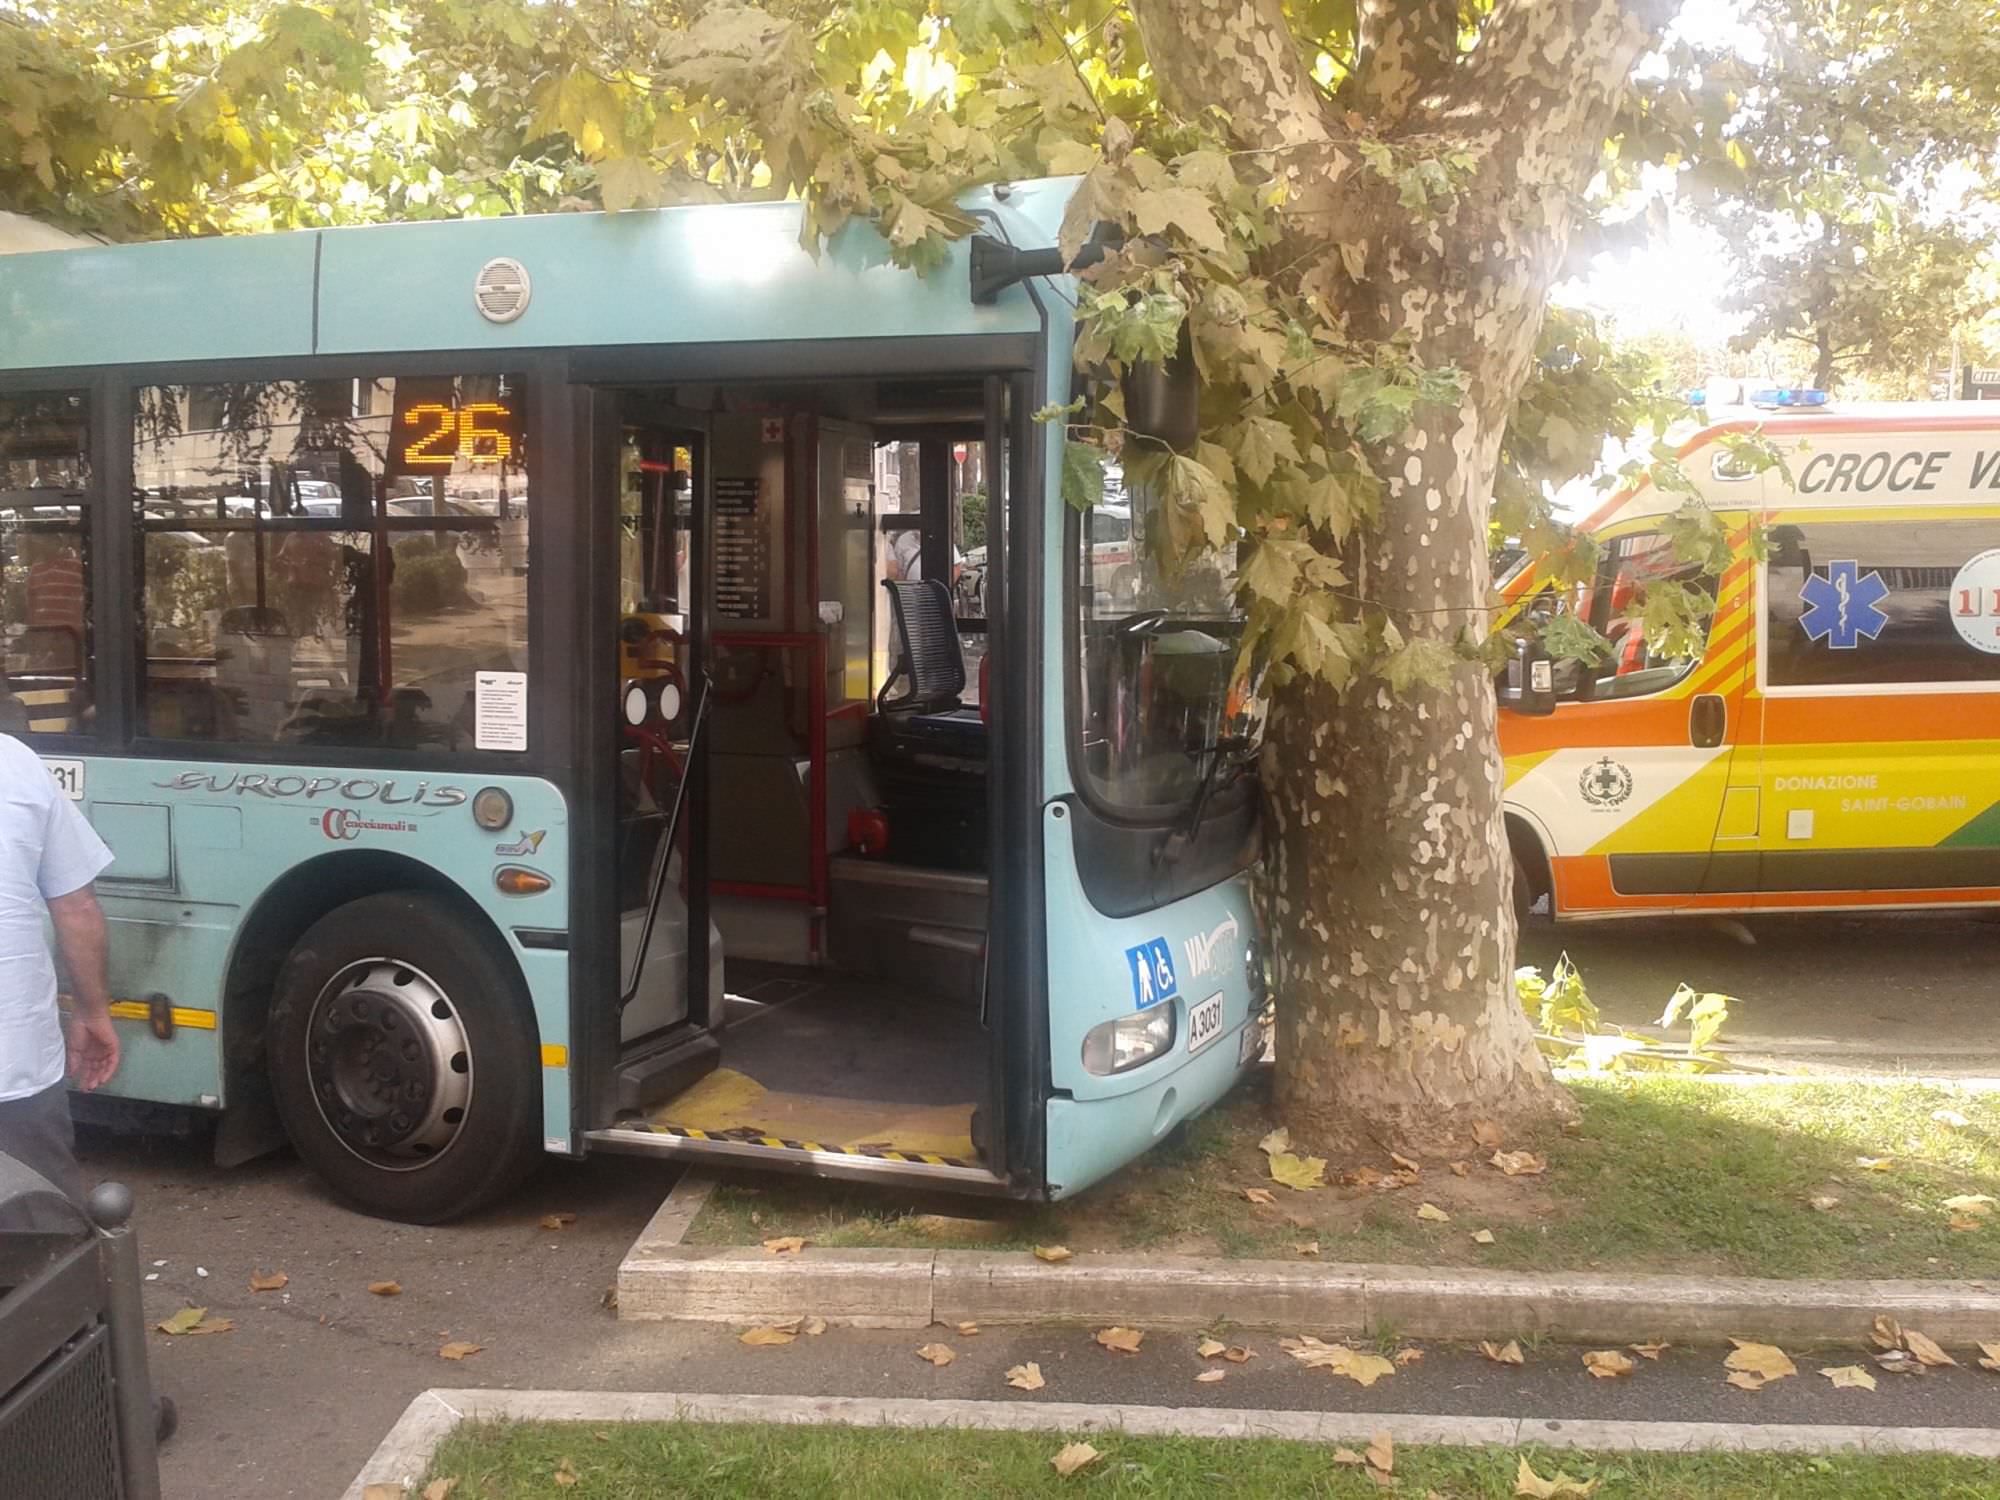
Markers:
point(404, 1060)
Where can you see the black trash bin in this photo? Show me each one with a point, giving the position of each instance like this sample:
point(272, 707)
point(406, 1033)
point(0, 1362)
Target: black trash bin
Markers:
point(76, 1409)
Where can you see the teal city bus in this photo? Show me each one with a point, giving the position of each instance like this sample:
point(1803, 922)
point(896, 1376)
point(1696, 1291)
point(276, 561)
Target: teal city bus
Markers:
point(527, 673)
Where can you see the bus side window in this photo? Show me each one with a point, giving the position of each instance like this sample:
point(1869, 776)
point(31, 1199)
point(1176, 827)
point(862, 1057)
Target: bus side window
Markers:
point(45, 646)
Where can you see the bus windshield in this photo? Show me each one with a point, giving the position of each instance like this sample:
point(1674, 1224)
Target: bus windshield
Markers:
point(1158, 648)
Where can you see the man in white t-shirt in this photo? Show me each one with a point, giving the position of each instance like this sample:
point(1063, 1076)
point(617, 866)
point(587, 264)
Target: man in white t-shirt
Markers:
point(49, 855)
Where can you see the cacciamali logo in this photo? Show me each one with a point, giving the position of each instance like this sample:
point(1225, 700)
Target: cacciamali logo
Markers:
point(1605, 783)
point(345, 825)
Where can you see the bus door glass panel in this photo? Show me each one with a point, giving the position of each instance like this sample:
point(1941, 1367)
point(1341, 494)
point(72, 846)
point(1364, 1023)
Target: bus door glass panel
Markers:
point(1881, 663)
point(658, 471)
point(972, 516)
point(334, 562)
point(1644, 774)
point(45, 644)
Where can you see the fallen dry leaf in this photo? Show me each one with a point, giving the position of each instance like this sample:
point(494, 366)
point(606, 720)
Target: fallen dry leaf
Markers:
point(440, 1489)
point(1433, 1213)
point(1074, 1457)
point(1381, 1453)
point(1026, 1377)
point(1310, 1247)
point(1401, 1179)
point(813, 1327)
point(1508, 1353)
point(1486, 1135)
point(1976, 1204)
point(1362, 1177)
point(939, 1355)
point(386, 1288)
point(1209, 1348)
point(1053, 1255)
point(1236, 1354)
point(275, 1282)
point(1990, 1356)
point(1482, 1236)
point(1823, 1203)
point(766, 1335)
point(565, 1474)
point(1349, 1457)
point(969, 1330)
point(459, 1350)
point(1404, 1162)
point(1874, 1163)
point(1362, 1369)
point(1300, 1173)
point(1407, 1357)
point(1649, 1351)
point(1120, 1340)
point(1278, 1140)
point(1528, 1482)
point(1460, 1168)
point(1962, 1224)
point(1925, 1349)
point(183, 1321)
point(786, 1244)
point(1850, 1378)
point(1520, 1163)
point(558, 1221)
point(1951, 1119)
point(1886, 1332)
point(1260, 1195)
point(1607, 1364)
point(1209, 1377)
point(1755, 1366)
point(383, 1492)
point(1900, 1362)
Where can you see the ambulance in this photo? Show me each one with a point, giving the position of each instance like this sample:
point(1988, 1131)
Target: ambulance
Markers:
point(1835, 745)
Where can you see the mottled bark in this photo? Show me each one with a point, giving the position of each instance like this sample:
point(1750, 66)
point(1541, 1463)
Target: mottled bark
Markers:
point(1393, 925)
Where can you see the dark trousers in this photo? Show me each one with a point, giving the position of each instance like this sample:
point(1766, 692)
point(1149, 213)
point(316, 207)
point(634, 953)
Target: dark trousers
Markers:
point(36, 1132)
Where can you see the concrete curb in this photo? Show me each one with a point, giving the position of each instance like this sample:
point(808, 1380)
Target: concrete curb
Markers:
point(915, 1288)
point(406, 1453)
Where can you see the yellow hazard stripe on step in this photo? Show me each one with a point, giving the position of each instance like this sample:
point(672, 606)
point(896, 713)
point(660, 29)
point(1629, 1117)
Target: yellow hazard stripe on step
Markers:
point(555, 1055)
point(749, 1136)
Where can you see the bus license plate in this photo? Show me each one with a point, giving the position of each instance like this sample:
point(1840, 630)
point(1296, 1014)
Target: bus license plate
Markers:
point(1205, 1022)
point(68, 775)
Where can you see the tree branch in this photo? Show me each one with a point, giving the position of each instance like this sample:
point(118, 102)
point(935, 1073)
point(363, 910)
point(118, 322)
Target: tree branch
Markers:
point(1240, 58)
point(1541, 89)
point(1407, 49)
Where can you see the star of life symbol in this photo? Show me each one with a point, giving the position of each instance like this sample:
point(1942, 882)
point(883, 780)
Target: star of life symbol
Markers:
point(1604, 783)
point(1843, 606)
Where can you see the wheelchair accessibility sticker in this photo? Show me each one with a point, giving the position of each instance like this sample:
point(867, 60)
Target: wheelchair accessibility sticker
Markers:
point(1153, 977)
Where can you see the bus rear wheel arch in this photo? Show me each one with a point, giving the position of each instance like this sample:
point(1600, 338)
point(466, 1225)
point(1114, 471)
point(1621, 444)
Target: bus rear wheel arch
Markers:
point(404, 1059)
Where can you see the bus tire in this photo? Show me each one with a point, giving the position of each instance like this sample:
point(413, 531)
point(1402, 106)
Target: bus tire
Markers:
point(405, 1061)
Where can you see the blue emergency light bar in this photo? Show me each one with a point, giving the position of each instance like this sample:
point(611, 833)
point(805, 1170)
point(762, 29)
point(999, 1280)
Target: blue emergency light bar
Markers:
point(1780, 395)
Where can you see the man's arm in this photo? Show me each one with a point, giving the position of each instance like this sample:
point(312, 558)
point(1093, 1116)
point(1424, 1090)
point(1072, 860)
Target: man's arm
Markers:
point(82, 939)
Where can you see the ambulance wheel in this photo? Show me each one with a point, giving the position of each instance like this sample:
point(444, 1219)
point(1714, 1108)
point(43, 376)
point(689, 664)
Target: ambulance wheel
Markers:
point(404, 1060)
point(1525, 894)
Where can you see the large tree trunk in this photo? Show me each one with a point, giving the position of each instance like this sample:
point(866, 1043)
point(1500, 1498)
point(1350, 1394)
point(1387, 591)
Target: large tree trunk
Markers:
point(1393, 922)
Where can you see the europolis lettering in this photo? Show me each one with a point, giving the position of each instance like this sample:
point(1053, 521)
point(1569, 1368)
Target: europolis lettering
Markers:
point(357, 789)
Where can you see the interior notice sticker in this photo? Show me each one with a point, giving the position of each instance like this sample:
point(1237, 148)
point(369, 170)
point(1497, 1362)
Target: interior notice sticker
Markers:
point(500, 711)
point(1975, 602)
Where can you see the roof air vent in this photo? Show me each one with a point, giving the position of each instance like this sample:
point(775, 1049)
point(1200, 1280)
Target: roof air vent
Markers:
point(501, 290)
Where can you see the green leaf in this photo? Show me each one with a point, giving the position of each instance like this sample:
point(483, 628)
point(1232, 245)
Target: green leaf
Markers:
point(1419, 662)
point(1272, 569)
point(1569, 638)
point(1191, 486)
point(1082, 474)
point(1184, 209)
point(629, 182)
point(1261, 442)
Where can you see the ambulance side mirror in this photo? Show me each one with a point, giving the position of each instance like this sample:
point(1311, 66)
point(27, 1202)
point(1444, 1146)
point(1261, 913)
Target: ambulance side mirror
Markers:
point(1529, 684)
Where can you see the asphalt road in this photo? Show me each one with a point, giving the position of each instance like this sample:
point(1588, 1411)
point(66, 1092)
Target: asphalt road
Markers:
point(291, 1400)
point(1913, 994)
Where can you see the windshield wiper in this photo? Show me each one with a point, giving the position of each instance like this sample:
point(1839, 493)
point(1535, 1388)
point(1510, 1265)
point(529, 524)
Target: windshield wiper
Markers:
point(1237, 752)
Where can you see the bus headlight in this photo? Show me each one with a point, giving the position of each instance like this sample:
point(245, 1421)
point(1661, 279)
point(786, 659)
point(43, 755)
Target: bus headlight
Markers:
point(1128, 1041)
